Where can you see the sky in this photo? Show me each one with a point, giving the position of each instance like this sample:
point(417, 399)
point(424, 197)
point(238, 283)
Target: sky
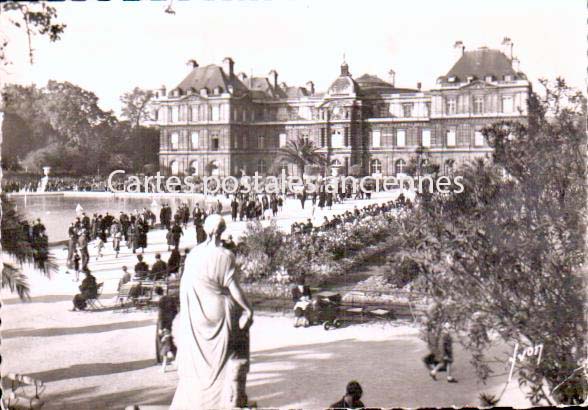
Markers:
point(111, 47)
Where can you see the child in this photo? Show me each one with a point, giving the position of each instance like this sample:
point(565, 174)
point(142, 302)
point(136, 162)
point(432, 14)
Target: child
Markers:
point(76, 262)
point(446, 350)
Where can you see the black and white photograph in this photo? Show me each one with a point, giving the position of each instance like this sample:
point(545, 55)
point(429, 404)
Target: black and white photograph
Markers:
point(293, 204)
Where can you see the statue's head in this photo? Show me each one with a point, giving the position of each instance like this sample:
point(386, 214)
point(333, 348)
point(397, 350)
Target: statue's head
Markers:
point(214, 225)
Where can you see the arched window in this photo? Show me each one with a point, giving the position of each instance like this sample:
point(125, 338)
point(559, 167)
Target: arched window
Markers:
point(174, 167)
point(376, 166)
point(261, 167)
point(194, 165)
point(449, 166)
point(400, 166)
point(175, 140)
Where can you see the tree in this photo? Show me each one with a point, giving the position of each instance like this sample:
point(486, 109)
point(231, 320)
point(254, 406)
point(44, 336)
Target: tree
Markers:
point(35, 18)
point(16, 244)
point(504, 257)
point(136, 106)
point(301, 152)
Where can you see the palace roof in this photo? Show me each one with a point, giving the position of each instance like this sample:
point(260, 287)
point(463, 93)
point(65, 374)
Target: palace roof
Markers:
point(211, 77)
point(482, 63)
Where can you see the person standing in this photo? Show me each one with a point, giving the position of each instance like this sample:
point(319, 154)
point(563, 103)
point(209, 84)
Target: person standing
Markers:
point(83, 245)
point(234, 208)
point(76, 265)
point(177, 233)
point(213, 337)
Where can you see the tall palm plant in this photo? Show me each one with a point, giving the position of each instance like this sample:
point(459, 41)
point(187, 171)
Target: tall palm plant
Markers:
point(301, 152)
point(15, 243)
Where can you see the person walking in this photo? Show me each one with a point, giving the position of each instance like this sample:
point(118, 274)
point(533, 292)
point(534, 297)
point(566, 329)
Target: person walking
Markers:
point(446, 355)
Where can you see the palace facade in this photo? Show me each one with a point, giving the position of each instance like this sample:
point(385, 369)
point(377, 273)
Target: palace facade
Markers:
point(220, 122)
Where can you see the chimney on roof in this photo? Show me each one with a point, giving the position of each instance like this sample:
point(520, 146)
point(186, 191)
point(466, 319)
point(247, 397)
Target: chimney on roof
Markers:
point(459, 49)
point(516, 65)
point(310, 87)
point(228, 65)
point(507, 46)
point(419, 85)
point(192, 64)
point(392, 77)
point(242, 76)
point(162, 91)
point(274, 78)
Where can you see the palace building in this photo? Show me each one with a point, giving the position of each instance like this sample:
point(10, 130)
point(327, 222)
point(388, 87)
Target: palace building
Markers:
point(220, 122)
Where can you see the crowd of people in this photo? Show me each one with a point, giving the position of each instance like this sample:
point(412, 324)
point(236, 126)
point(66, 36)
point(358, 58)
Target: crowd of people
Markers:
point(35, 234)
point(32, 183)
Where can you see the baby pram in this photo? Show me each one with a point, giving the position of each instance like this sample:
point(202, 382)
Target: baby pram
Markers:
point(325, 308)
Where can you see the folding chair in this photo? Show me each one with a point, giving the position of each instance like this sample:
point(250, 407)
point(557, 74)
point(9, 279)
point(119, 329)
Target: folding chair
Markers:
point(123, 295)
point(21, 394)
point(94, 303)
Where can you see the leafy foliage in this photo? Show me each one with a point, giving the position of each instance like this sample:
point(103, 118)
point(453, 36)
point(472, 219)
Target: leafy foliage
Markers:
point(505, 256)
point(301, 153)
point(43, 124)
point(35, 18)
point(136, 106)
point(15, 243)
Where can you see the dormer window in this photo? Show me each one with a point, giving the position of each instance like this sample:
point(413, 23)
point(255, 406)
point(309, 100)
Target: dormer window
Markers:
point(452, 79)
point(489, 78)
point(218, 90)
point(176, 93)
point(470, 78)
point(508, 78)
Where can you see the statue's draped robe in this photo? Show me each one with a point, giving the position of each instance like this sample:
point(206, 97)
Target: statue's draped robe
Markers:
point(208, 332)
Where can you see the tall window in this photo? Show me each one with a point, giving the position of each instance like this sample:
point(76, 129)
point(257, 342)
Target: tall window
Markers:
point(323, 137)
point(174, 167)
point(346, 139)
point(507, 104)
point(400, 166)
point(426, 142)
point(261, 167)
point(400, 138)
point(376, 139)
point(215, 113)
point(282, 140)
point(194, 139)
point(169, 114)
point(376, 166)
point(428, 108)
point(214, 143)
point(478, 105)
point(337, 139)
point(244, 140)
point(478, 138)
point(175, 113)
point(175, 140)
point(260, 141)
point(451, 137)
point(451, 105)
point(407, 110)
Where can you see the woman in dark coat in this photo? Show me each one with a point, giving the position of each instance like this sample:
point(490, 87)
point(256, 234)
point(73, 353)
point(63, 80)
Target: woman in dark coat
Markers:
point(173, 263)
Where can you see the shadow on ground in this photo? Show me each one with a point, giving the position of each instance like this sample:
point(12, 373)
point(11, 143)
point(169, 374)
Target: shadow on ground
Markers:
point(61, 331)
